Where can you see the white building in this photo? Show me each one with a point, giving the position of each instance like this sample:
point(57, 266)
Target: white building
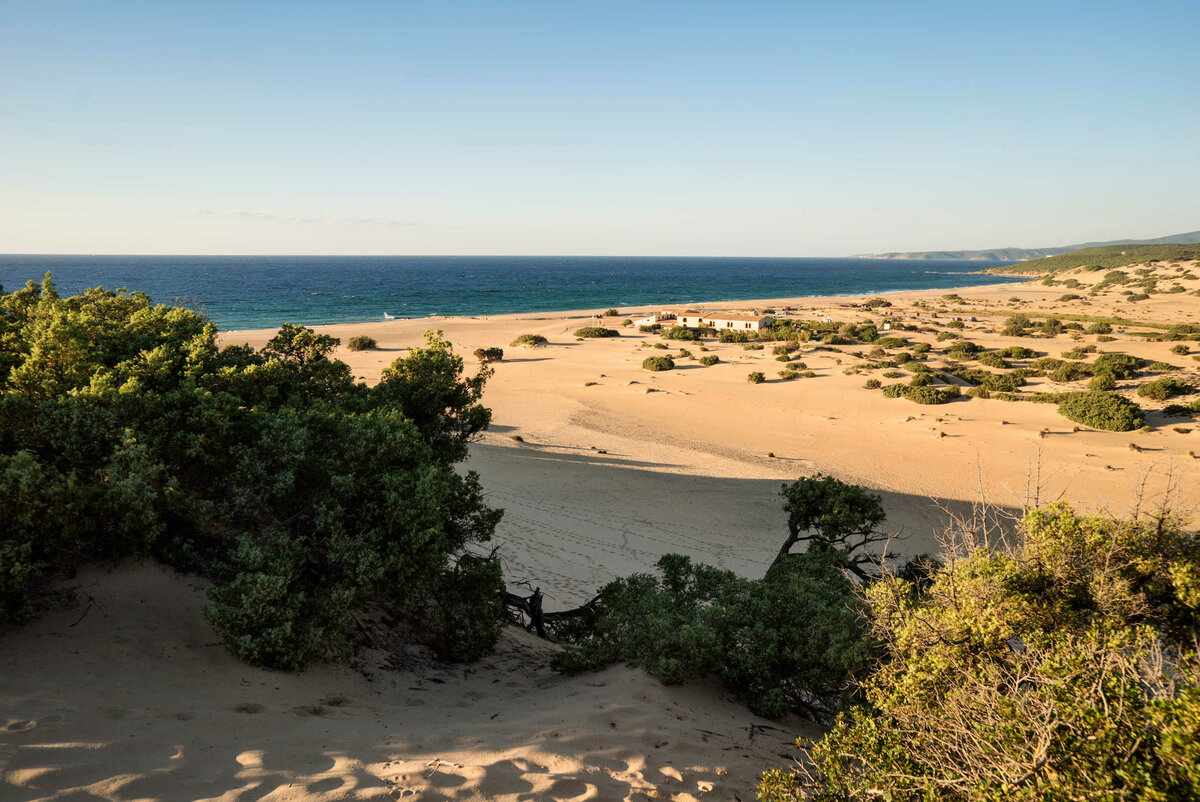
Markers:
point(723, 320)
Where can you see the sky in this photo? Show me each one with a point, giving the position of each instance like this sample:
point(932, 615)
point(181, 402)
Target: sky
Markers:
point(724, 129)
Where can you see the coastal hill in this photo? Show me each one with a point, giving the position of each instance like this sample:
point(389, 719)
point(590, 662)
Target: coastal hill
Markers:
point(1108, 257)
point(1023, 254)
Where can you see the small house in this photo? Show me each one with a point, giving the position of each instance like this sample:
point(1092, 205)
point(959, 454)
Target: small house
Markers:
point(723, 320)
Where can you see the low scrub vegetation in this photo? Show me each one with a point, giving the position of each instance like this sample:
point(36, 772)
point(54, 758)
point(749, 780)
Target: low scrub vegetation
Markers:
point(1162, 389)
point(658, 363)
point(361, 343)
point(489, 354)
point(1101, 410)
point(679, 333)
point(1065, 668)
point(596, 332)
point(529, 341)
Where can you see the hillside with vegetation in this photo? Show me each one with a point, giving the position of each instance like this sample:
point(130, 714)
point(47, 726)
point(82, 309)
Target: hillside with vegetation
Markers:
point(1024, 254)
point(1107, 257)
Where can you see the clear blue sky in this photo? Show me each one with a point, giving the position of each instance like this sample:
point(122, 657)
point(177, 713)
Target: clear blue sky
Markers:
point(739, 128)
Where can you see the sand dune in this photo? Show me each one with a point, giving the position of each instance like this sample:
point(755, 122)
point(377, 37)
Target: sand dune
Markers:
point(130, 697)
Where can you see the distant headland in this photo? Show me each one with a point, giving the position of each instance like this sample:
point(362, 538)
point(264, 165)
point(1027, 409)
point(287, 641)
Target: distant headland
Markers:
point(1024, 254)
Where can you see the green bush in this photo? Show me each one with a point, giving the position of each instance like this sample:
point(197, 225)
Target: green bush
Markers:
point(1015, 326)
point(752, 347)
point(529, 340)
point(1101, 410)
point(1104, 381)
point(732, 336)
point(1062, 669)
point(963, 349)
point(611, 313)
point(679, 333)
point(756, 377)
point(784, 349)
point(1162, 389)
point(1070, 372)
point(1099, 328)
point(891, 342)
point(489, 354)
point(786, 642)
point(596, 332)
point(361, 343)
point(920, 380)
point(1018, 352)
point(993, 360)
point(893, 390)
point(931, 395)
point(653, 328)
point(1052, 327)
point(1121, 366)
point(873, 384)
point(978, 392)
point(125, 430)
point(709, 360)
point(658, 363)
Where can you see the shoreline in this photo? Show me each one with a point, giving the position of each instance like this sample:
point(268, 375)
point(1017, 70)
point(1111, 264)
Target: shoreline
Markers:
point(726, 305)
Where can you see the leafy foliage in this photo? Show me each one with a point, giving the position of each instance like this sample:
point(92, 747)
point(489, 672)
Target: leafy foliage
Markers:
point(786, 642)
point(362, 343)
point(125, 430)
point(1063, 669)
point(679, 333)
point(755, 377)
point(489, 354)
point(529, 341)
point(1101, 410)
point(1164, 388)
point(658, 363)
point(594, 332)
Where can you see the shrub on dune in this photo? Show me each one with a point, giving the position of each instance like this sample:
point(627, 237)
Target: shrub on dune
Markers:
point(529, 341)
point(658, 363)
point(1101, 410)
point(127, 431)
point(594, 332)
point(362, 343)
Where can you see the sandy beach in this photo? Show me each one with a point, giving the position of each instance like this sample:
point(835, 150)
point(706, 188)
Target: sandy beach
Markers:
point(601, 467)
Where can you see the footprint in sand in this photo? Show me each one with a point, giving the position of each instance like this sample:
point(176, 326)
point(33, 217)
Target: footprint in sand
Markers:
point(247, 707)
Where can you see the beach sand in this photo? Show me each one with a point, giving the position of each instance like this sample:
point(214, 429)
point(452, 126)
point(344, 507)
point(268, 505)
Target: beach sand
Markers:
point(128, 695)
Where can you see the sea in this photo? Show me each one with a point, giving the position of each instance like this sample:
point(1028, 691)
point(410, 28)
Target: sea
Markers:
point(251, 292)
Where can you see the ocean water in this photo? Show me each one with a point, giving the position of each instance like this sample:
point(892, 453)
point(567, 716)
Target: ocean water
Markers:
point(241, 292)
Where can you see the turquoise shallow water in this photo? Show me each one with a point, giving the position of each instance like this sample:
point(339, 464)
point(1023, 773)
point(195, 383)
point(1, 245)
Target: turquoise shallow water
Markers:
point(241, 292)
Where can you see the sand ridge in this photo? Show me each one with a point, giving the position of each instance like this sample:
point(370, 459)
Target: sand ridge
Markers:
point(136, 699)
